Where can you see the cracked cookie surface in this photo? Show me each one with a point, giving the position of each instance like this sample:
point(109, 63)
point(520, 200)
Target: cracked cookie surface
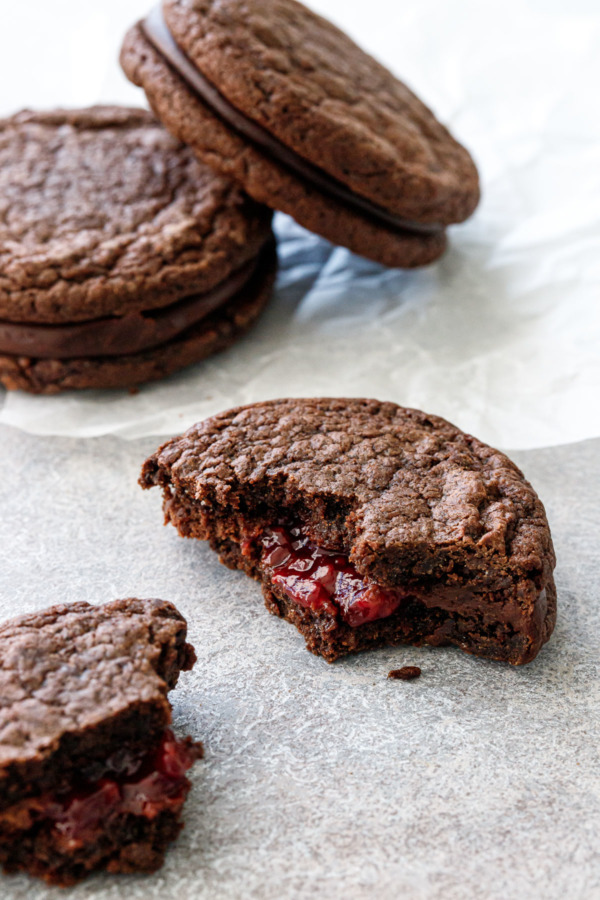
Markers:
point(91, 776)
point(68, 669)
point(411, 501)
point(103, 213)
point(312, 90)
point(310, 85)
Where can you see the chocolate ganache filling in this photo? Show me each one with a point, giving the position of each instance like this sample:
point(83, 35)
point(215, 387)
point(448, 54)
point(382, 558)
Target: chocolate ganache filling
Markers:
point(157, 32)
point(129, 334)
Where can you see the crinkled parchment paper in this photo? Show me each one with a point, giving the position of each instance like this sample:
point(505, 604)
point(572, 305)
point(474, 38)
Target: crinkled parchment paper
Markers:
point(502, 336)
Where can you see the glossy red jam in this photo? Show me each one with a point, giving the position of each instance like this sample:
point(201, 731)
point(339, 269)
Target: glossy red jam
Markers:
point(323, 580)
point(142, 787)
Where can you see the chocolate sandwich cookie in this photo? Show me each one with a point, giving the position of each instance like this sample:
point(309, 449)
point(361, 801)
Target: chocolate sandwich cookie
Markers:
point(286, 104)
point(122, 257)
point(91, 776)
point(368, 525)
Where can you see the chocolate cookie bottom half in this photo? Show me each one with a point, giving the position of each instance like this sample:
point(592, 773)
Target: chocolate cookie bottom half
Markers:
point(118, 352)
point(368, 525)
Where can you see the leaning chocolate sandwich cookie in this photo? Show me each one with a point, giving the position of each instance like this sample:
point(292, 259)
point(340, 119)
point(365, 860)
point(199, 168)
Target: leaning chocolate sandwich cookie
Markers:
point(91, 776)
point(282, 101)
point(122, 257)
point(368, 525)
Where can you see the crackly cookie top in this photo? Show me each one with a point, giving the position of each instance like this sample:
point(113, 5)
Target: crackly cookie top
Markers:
point(102, 212)
point(318, 93)
point(68, 668)
point(407, 494)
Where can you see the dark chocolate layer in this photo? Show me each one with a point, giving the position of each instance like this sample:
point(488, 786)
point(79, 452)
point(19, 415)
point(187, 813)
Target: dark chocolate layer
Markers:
point(157, 32)
point(120, 335)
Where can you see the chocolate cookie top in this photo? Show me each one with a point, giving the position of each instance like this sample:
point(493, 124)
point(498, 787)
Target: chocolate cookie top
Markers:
point(406, 495)
point(305, 82)
point(68, 669)
point(103, 213)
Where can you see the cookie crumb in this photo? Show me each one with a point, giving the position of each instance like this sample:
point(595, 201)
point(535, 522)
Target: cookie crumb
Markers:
point(406, 673)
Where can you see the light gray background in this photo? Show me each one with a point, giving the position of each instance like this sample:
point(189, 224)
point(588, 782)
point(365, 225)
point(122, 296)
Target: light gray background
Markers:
point(476, 781)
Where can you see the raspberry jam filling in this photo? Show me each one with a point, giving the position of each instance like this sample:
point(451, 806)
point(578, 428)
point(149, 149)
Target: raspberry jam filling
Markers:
point(323, 580)
point(143, 787)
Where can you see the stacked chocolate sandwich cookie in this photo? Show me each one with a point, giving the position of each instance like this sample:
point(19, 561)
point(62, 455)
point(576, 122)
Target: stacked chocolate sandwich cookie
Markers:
point(283, 102)
point(122, 257)
point(91, 776)
point(127, 253)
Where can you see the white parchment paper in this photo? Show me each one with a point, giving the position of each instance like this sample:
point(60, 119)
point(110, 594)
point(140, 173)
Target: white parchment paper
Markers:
point(502, 336)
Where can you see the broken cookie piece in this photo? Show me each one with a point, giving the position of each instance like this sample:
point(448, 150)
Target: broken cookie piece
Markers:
point(91, 776)
point(368, 525)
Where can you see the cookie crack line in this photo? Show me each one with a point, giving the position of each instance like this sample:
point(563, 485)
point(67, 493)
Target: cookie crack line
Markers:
point(156, 31)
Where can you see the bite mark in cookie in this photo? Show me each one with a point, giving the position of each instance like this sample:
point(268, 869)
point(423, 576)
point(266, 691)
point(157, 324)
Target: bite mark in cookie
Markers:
point(368, 524)
point(320, 579)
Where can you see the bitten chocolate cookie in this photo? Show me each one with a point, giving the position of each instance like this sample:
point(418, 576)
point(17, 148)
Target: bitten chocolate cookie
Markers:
point(91, 777)
point(287, 105)
point(368, 525)
point(122, 258)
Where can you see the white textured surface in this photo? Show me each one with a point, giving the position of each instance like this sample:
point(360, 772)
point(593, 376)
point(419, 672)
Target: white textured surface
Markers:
point(501, 336)
point(477, 781)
